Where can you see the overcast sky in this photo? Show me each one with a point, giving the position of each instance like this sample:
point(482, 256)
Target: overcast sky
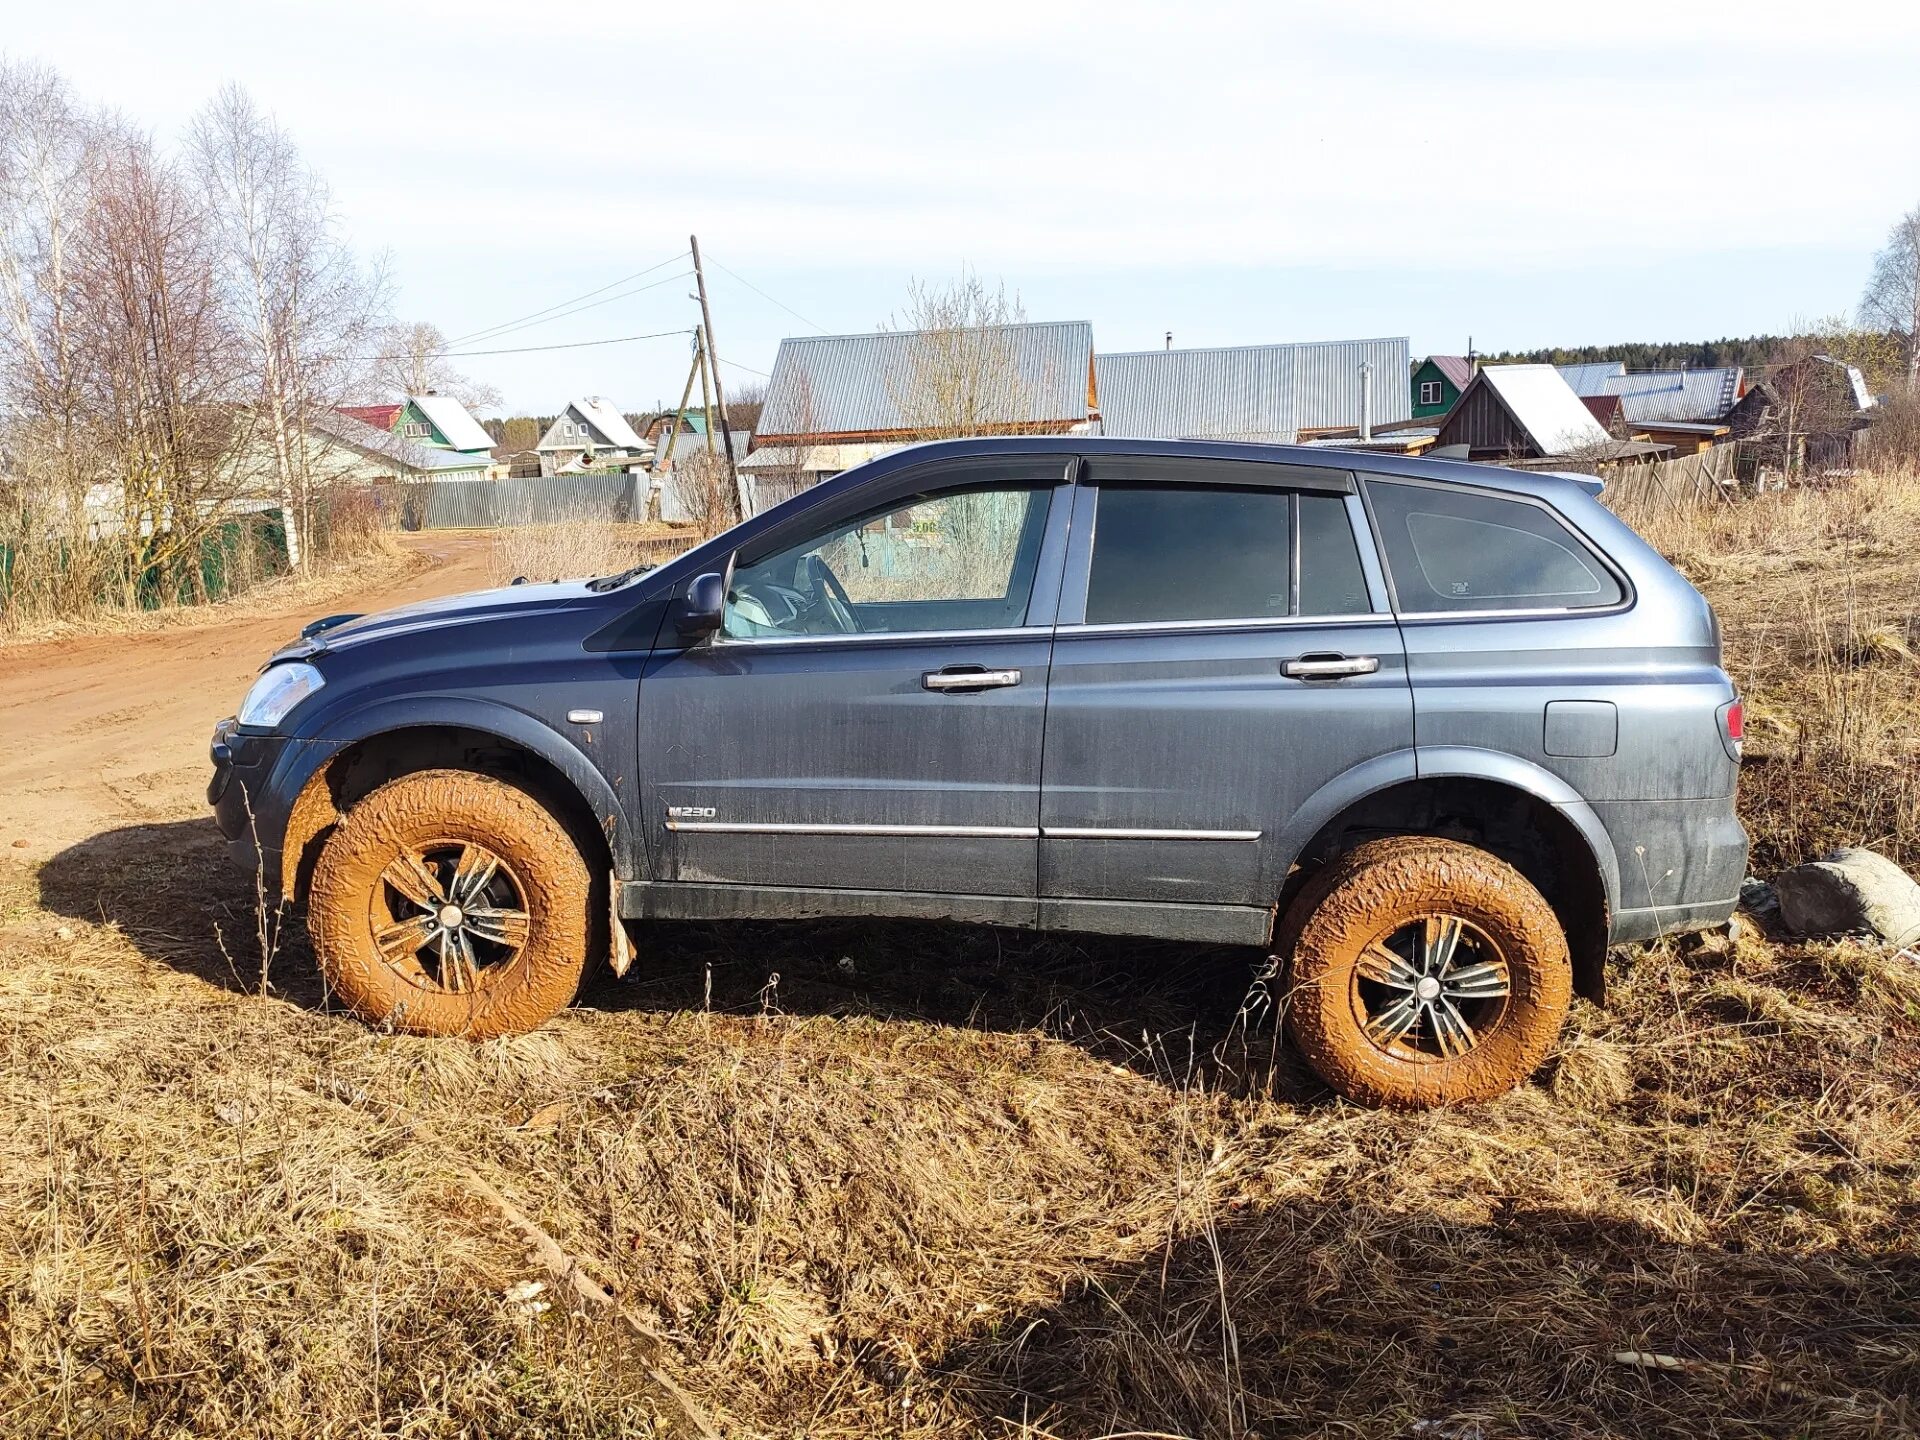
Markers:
point(1525, 173)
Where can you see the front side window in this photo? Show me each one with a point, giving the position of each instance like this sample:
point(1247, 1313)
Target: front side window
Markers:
point(1429, 392)
point(1457, 550)
point(963, 560)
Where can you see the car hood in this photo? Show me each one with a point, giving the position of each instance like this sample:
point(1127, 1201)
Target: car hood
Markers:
point(345, 632)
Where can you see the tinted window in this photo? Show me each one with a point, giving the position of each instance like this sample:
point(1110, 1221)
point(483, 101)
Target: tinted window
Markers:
point(959, 561)
point(1331, 581)
point(1451, 550)
point(1187, 553)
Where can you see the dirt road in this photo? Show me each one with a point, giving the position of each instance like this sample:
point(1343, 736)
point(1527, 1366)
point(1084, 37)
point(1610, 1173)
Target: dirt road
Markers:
point(105, 730)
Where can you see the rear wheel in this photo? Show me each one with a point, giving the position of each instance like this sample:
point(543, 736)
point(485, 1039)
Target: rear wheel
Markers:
point(1425, 972)
point(451, 903)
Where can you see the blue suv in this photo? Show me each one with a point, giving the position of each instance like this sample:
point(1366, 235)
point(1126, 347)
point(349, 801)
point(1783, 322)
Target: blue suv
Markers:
point(1437, 733)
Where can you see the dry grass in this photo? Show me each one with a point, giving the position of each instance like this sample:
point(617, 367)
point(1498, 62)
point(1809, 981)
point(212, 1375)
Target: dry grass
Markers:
point(861, 1179)
point(577, 549)
point(875, 1179)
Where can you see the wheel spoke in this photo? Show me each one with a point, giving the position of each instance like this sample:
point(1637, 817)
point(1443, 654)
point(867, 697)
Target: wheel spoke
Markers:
point(471, 875)
point(1393, 1023)
point(414, 878)
point(502, 927)
point(1485, 981)
point(1439, 938)
point(1450, 1028)
point(458, 974)
point(400, 944)
point(1380, 965)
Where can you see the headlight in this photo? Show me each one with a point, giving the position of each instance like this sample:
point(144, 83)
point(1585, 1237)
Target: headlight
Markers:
point(275, 693)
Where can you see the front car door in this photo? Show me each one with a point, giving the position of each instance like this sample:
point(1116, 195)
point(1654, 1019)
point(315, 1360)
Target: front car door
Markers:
point(1224, 650)
point(869, 718)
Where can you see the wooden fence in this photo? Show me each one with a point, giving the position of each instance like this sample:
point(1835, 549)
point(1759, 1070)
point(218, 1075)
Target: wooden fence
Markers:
point(1682, 483)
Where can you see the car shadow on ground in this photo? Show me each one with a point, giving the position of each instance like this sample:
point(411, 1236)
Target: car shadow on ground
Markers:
point(1184, 1014)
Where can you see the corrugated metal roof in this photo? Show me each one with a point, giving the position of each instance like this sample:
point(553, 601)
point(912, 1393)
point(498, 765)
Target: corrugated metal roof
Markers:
point(362, 436)
point(381, 417)
point(451, 419)
point(1456, 368)
point(1655, 395)
point(1590, 377)
point(1250, 392)
point(1544, 405)
point(895, 381)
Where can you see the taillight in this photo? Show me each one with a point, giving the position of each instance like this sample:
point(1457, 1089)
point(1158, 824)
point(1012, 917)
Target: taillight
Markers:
point(1733, 724)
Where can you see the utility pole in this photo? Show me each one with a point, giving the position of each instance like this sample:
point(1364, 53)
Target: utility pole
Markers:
point(706, 395)
point(663, 457)
point(713, 364)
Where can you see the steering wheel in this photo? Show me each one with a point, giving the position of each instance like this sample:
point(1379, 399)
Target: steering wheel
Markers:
point(825, 593)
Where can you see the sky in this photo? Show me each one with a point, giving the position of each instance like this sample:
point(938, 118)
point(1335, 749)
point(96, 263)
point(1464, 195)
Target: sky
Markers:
point(1523, 174)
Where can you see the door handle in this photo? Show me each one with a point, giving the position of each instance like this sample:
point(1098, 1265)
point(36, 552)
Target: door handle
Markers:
point(956, 679)
point(1330, 667)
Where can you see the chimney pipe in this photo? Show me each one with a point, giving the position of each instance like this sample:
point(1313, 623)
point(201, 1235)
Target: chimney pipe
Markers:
point(1169, 339)
point(1366, 400)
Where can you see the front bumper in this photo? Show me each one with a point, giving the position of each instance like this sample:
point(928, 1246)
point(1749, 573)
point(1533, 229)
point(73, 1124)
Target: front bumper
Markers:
point(242, 804)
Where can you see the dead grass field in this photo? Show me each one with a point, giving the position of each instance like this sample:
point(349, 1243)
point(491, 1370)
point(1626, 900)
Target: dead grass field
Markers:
point(879, 1179)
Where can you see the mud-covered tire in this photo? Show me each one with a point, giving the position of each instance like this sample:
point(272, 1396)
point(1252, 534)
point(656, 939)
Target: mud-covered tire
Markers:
point(1405, 896)
point(540, 894)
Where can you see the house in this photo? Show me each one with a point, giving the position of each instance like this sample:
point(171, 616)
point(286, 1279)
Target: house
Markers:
point(836, 401)
point(1686, 409)
point(1527, 412)
point(1437, 383)
point(1590, 377)
point(589, 434)
point(343, 448)
point(1806, 414)
point(437, 422)
point(1277, 394)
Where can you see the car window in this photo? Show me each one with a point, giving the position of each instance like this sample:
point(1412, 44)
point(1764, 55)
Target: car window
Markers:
point(1190, 553)
point(1331, 581)
point(963, 560)
point(1455, 550)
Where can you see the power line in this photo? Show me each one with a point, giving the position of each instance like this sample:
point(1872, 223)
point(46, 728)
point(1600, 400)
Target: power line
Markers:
point(529, 349)
point(770, 300)
point(489, 330)
point(501, 331)
point(736, 365)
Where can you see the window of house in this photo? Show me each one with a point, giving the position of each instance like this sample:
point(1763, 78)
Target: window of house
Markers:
point(1457, 550)
point(1430, 392)
point(963, 560)
point(415, 430)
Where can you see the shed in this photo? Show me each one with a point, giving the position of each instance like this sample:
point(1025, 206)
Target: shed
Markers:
point(1268, 393)
point(1521, 412)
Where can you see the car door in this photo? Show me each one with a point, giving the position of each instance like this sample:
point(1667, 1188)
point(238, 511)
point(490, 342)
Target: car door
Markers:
point(1224, 650)
point(870, 716)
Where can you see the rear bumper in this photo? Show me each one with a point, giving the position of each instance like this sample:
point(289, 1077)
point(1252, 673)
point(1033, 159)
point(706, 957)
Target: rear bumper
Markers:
point(1681, 863)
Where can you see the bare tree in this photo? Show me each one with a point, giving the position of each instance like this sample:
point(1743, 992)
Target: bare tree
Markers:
point(303, 305)
point(413, 361)
point(1892, 299)
point(958, 373)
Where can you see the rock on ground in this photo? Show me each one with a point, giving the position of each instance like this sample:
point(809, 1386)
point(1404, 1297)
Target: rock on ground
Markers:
point(1849, 892)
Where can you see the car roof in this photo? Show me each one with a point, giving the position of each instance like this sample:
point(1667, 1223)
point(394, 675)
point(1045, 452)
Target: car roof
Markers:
point(1542, 485)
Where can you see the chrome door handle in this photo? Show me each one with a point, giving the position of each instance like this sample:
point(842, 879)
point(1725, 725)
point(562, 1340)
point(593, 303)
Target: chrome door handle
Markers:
point(1330, 667)
point(970, 679)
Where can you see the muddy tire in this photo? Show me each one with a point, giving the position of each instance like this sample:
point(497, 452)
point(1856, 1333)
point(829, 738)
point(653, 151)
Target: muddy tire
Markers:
point(1424, 972)
point(450, 903)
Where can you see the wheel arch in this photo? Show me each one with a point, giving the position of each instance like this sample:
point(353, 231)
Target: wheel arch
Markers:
point(1527, 816)
point(381, 743)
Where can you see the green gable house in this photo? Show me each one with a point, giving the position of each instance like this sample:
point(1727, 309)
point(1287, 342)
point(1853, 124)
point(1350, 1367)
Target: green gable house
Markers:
point(1437, 383)
point(437, 422)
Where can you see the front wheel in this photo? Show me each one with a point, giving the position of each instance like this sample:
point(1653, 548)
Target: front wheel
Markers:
point(451, 903)
point(1425, 972)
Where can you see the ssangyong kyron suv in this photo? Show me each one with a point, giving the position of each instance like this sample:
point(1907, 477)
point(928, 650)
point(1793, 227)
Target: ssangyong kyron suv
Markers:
point(1437, 733)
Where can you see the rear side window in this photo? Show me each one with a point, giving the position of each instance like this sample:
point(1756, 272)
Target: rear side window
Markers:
point(1189, 552)
point(1454, 550)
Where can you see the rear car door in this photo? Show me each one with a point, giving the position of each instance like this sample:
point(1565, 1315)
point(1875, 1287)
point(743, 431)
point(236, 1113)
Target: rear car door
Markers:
point(870, 715)
point(1223, 650)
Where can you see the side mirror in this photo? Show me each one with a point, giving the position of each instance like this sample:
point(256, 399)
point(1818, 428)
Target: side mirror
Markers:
point(701, 610)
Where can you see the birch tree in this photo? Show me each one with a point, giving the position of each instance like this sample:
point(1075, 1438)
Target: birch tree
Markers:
point(1892, 299)
point(413, 361)
point(302, 304)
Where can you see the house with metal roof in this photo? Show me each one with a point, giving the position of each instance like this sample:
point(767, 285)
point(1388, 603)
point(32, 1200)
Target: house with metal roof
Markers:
point(1590, 377)
point(346, 448)
point(1808, 414)
point(588, 433)
point(836, 401)
point(1275, 394)
point(1526, 412)
point(1438, 382)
